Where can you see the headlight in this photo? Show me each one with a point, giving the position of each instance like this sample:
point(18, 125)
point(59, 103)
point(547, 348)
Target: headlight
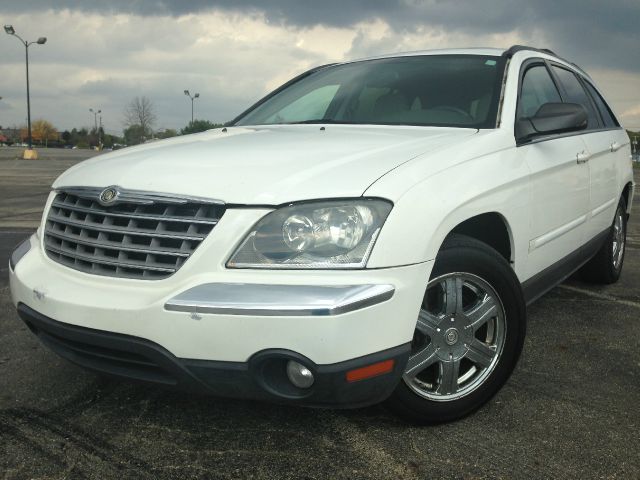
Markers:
point(327, 234)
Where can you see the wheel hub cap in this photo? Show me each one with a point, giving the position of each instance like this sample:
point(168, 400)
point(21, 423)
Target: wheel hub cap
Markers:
point(451, 337)
point(466, 322)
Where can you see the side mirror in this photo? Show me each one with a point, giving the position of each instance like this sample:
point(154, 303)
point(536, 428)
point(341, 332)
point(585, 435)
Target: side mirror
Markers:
point(552, 118)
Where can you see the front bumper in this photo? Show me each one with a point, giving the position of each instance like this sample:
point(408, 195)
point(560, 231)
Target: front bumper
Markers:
point(261, 378)
point(211, 328)
point(140, 308)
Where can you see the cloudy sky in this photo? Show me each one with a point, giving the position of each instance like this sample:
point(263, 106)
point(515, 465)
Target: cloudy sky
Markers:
point(102, 54)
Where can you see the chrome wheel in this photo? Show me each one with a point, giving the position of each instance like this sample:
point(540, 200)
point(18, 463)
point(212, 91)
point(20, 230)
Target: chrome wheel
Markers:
point(459, 337)
point(618, 239)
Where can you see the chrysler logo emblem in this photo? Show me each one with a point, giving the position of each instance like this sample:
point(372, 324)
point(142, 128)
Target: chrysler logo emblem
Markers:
point(108, 195)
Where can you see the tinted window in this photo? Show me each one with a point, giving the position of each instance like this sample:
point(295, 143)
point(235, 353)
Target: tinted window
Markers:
point(437, 90)
point(605, 112)
point(537, 89)
point(576, 94)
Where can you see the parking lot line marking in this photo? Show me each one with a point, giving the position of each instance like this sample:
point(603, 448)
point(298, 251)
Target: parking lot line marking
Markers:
point(601, 296)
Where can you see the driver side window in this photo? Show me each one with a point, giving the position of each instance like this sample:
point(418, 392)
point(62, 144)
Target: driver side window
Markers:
point(536, 90)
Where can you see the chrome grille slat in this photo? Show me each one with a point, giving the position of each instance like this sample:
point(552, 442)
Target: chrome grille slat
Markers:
point(140, 196)
point(113, 245)
point(105, 261)
point(124, 215)
point(125, 230)
point(140, 235)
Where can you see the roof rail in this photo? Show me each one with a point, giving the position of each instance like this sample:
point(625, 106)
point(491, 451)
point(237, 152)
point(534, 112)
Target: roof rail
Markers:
point(550, 52)
point(511, 51)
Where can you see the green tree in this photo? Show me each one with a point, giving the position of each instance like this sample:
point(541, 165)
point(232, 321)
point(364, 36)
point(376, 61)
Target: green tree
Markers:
point(199, 126)
point(134, 135)
point(166, 133)
point(79, 138)
point(110, 140)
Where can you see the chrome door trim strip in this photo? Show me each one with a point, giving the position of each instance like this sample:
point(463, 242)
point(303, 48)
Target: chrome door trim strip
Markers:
point(603, 207)
point(558, 232)
point(278, 300)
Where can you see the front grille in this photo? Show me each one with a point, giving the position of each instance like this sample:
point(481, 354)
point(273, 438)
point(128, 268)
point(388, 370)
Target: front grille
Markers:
point(143, 236)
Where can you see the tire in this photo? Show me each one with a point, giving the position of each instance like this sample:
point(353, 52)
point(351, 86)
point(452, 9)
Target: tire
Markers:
point(491, 312)
point(606, 266)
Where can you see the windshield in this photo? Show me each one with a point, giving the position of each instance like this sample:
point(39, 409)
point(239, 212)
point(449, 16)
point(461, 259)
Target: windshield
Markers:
point(431, 90)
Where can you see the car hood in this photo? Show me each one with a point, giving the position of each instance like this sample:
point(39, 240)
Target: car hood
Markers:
point(267, 165)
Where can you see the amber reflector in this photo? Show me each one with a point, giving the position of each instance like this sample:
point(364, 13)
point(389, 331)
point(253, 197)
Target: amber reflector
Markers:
point(369, 371)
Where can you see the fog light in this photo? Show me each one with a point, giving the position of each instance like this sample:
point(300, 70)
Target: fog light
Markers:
point(299, 375)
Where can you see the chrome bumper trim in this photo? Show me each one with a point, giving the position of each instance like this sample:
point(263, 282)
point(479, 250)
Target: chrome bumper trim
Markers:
point(278, 300)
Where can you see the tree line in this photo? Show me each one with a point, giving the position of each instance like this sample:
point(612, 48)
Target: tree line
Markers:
point(139, 118)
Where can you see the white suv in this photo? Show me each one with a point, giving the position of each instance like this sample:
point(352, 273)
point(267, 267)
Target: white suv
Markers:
point(371, 230)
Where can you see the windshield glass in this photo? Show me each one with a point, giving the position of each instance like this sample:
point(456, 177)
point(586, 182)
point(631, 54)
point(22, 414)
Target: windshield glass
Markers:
point(433, 90)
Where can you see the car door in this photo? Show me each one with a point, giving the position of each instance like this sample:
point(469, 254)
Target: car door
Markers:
point(610, 140)
point(559, 180)
point(602, 148)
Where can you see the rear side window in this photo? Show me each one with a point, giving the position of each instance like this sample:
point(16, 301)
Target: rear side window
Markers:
point(537, 89)
point(605, 112)
point(576, 94)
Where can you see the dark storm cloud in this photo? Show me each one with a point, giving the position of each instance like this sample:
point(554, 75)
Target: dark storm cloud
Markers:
point(496, 15)
point(592, 32)
point(219, 47)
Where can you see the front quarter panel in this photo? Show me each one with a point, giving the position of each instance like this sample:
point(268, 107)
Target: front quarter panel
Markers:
point(427, 210)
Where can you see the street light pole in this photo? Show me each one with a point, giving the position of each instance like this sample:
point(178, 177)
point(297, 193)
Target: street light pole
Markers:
point(9, 30)
point(95, 122)
point(100, 130)
point(197, 95)
point(28, 98)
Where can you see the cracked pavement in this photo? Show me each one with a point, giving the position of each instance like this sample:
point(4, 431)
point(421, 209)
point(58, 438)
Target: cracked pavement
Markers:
point(570, 410)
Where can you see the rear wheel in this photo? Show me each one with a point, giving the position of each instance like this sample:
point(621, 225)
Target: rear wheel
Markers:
point(606, 266)
point(468, 335)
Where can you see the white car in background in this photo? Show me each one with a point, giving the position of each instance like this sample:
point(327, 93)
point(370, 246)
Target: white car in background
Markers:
point(372, 230)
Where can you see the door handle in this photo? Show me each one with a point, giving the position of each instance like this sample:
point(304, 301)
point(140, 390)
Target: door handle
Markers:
point(582, 157)
point(615, 146)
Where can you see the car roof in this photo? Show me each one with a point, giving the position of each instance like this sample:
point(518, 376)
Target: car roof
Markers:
point(484, 51)
point(494, 52)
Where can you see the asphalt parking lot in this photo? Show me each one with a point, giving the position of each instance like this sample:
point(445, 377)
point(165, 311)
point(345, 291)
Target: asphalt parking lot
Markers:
point(570, 410)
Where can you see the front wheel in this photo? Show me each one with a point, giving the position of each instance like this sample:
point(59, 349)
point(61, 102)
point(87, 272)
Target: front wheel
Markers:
point(468, 336)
